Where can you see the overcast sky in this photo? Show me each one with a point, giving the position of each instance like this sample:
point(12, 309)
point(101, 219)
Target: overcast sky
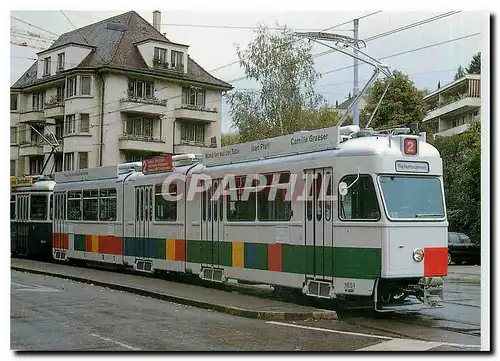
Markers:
point(214, 47)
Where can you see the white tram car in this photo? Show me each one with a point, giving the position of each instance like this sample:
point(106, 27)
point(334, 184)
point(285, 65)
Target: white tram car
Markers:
point(380, 233)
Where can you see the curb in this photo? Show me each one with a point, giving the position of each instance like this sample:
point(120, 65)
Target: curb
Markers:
point(234, 311)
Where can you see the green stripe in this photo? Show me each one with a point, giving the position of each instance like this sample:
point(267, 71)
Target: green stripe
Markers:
point(79, 242)
point(344, 262)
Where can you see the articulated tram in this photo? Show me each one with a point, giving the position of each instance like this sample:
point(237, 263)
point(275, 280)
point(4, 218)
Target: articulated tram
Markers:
point(353, 214)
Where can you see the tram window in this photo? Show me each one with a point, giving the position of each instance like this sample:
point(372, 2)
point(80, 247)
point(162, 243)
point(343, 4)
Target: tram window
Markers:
point(75, 205)
point(328, 200)
point(38, 207)
point(12, 207)
point(204, 205)
point(318, 193)
point(360, 203)
point(137, 204)
point(165, 209)
point(241, 209)
point(107, 204)
point(277, 209)
point(90, 204)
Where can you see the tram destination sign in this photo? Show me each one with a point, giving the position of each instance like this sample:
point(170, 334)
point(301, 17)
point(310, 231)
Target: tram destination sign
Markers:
point(296, 143)
point(158, 164)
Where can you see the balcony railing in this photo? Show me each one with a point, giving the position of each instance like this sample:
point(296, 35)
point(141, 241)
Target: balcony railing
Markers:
point(54, 103)
point(141, 138)
point(152, 101)
point(193, 143)
point(200, 108)
point(448, 101)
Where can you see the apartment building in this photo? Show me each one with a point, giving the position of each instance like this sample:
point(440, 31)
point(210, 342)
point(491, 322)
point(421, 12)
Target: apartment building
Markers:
point(454, 106)
point(112, 92)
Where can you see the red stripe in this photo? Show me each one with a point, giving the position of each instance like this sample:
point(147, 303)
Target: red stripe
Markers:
point(60, 240)
point(180, 250)
point(110, 245)
point(435, 261)
point(274, 257)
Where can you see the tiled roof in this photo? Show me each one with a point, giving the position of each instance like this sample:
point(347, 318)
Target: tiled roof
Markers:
point(116, 49)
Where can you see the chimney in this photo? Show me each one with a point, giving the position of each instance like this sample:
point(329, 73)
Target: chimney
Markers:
point(157, 20)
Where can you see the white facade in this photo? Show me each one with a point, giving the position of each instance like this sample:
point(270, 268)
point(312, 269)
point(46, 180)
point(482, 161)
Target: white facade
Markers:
point(454, 106)
point(143, 115)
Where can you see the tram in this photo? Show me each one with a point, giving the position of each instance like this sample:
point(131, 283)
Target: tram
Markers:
point(31, 216)
point(354, 214)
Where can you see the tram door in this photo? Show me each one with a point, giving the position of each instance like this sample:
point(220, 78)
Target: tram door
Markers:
point(318, 223)
point(58, 224)
point(22, 224)
point(143, 232)
point(212, 225)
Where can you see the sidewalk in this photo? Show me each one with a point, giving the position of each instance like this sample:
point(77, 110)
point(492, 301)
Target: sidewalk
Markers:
point(197, 296)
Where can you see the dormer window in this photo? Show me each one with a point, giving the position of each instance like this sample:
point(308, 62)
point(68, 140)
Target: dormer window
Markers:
point(177, 59)
point(60, 61)
point(46, 66)
point(160, 56)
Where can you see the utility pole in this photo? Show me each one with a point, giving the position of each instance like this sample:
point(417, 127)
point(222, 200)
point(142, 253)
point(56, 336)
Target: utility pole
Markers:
point(355, 118)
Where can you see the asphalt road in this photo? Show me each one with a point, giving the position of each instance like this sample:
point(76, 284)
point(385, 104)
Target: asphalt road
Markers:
point(55, 314)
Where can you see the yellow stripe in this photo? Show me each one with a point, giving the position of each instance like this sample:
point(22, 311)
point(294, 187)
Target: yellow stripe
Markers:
point(95, 243)
point(238, 254)
point(171, 249)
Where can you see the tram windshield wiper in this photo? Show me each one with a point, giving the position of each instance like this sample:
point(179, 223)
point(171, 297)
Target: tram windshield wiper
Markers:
point(428, 215)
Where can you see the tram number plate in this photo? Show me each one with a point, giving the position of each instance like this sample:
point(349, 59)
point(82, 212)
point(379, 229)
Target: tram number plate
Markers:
point(349, 287)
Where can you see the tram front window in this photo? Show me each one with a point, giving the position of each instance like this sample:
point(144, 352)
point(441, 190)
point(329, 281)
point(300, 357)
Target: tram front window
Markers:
point(412, 197)
point(38, 209)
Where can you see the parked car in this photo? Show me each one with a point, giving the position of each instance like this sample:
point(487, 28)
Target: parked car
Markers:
point(462, 249)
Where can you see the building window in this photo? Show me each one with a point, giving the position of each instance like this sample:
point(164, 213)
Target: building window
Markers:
point(140, 89)
point(69, 124)
point(35, 134)
point(58, 160)
point(139, 127)
point(60, 61)
point(68, 161)
point(71, 87)
point(160, 55)
point(193, 132)
point(83, 160)
point(84, 123)
point(46, 66)
point(12, 167)
point(191, 96)
point(36, 165)
point(85, 85)
point(38, 101)
point(165, 210)
point(177, 59)
point(13, 135)
point(60, 93)
point(13, 102)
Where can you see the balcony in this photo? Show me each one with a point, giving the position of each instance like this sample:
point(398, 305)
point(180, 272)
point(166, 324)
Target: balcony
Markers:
point(196, 112)
point(27, 148)
point(452, 105)
point(32, 116)
point(54, 109)
point(187, 146)
point(149, 144)
point(151, 106)
point(452, 131)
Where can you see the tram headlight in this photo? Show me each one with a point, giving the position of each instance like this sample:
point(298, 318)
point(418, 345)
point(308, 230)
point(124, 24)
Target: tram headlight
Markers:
point(418, 255)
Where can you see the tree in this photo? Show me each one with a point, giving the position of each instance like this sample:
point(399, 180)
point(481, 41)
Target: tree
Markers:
point(230, 139)
point(460, 73)
point(475, 65)
point(284, 67)
point(461, 154)
point(403, 103)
